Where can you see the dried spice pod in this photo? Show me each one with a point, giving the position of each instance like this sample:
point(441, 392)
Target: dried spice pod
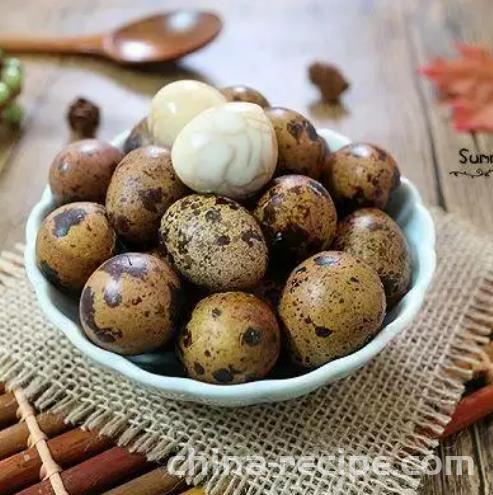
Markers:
point(83, 117)
point(329, 80)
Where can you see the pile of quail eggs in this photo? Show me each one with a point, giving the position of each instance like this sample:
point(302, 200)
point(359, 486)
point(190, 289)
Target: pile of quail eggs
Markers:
point(226, 230)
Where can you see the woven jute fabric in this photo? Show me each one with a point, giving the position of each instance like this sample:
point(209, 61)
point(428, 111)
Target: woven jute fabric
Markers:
point(395, 407)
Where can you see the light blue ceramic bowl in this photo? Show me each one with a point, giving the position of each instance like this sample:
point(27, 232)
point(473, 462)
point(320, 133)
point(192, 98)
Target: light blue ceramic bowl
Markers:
point(161, 371)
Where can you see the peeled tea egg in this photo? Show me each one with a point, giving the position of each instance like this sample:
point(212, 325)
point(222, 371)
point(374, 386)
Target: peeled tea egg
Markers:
point(176, 104)
point(229, 150)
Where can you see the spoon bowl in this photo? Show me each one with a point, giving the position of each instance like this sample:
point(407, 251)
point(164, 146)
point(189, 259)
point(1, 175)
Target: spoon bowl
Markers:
point(162, 37)
point(158, 38)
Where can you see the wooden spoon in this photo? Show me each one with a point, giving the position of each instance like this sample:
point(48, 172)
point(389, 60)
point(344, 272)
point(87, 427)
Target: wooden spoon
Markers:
point(157, 38)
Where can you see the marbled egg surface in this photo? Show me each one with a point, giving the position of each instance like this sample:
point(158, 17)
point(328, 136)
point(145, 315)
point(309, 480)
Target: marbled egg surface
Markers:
point(176, 104)
point(230, 150)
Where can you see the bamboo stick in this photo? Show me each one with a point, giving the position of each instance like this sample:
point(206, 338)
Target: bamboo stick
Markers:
point(471, 408)
point(97, 474)
point(23, 469)
point(194, 491)
point(8, 409)
point(156, 482)
point(14, 439)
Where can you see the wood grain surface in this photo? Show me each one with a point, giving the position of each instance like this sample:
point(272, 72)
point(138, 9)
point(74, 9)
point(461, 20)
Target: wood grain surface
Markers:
point(378, 44)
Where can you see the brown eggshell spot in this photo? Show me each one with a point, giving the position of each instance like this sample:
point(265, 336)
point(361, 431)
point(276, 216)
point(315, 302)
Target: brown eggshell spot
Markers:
point(373, 236)
point(82, 171)
point(214, 242)
point(139, 136)
point(143, 186)
point(298, 218)
point(231, 337)
point(301, 150)
point(332, 304)
point(130, 304)
point(359, 175)
point(72, 242)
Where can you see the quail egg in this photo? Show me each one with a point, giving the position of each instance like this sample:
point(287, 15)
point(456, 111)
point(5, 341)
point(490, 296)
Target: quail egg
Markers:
point(332, 304)
point(373, 236)
point(82, 171)
point(143, 186)
point(297, 216)
point(214, 242)
point(72, 242)
point(301, 149)
point(246, 94)
point(360, 174)
point(231, 337)
point(130, 304)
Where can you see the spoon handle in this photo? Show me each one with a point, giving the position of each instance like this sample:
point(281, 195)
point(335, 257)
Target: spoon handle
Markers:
point(92, 44)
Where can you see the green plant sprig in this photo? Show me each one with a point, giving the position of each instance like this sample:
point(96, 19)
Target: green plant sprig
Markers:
point(11, 81)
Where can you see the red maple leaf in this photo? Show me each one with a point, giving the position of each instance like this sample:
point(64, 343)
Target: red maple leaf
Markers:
point(466, 83)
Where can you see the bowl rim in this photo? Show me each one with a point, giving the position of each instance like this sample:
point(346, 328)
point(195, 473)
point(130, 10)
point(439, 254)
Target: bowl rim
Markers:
point(268, 390)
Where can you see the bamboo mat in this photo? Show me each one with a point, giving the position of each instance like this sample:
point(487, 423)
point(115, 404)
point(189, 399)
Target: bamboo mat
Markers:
point(87, 464)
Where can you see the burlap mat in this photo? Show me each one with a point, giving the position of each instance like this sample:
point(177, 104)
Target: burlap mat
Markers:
point(394, 407)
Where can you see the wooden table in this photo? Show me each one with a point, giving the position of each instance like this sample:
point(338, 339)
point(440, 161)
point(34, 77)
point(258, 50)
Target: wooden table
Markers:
point(379, 44)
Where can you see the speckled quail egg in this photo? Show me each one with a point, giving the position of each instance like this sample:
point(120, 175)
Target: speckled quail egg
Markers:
point(301, 149)
point(244, 93)
point(231, 337)
point(139, 136)
point(360, 174)
point(82, 171)
point(143, 186)
point(214, 242)
point(230, 150)
point(297, 216)
point(131, 303)
point(332, 304)
point(178, 103)
point(373, 236)
point(72, 242)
